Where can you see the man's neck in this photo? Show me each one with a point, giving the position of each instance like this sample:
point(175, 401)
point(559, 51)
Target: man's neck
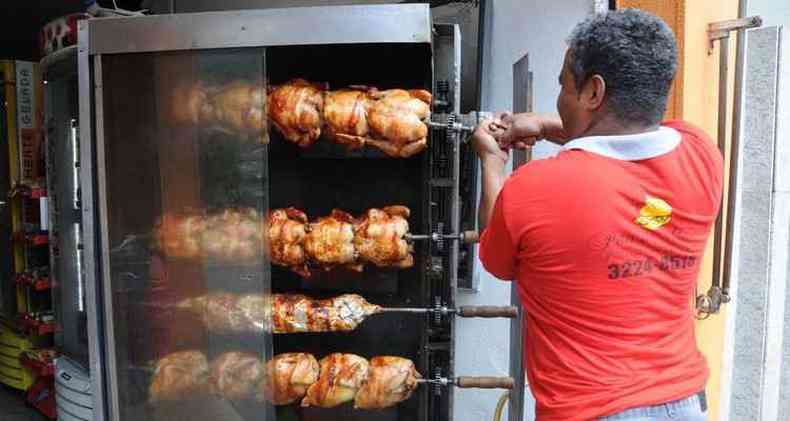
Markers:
point(611, 127)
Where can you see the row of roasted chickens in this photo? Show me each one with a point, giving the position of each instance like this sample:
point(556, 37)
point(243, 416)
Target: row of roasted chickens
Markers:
point(228, 313)
point(339, 240)
point(390, 120)
point(338, 378)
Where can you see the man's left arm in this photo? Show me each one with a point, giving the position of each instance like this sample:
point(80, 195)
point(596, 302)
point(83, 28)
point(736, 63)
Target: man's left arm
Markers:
point(497, 250)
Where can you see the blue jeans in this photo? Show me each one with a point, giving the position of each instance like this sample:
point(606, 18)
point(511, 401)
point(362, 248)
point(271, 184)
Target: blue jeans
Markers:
point(692, 408)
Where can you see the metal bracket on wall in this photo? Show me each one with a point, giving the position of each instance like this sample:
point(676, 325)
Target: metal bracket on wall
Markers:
point(721, 30)
point(719, 292)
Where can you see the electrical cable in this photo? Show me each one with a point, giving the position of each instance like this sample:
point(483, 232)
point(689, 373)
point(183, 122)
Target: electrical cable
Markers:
point(500, 406)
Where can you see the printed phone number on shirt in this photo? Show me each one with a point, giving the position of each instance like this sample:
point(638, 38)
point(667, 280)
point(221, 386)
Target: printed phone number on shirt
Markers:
point(634, 268)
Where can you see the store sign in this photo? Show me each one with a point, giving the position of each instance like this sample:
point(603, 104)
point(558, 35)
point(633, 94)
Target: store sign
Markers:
point(30, 136)
point(25, 94)
point(28, 147)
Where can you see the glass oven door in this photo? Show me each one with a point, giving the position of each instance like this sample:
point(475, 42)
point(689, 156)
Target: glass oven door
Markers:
point(182, 186)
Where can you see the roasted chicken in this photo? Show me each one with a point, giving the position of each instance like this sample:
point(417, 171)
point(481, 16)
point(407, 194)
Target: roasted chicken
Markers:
point(293, 313)
point(390, 120)
point(286, 239)
point(231, 235)
point(227, 313)
point(395, 118)
point(235, 375)
point(379, 237)
point(287, 377)
point(179, 376)
point(390, 380)
point(341, 377)
point(330, 241)
point(345, 116)
point(337, 240)
point(295, 109)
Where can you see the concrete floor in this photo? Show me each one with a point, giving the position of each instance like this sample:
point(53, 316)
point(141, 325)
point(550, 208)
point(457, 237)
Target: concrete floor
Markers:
point(14, 408)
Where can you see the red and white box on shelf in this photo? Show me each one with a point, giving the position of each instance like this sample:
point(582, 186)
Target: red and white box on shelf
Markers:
point(60, 33)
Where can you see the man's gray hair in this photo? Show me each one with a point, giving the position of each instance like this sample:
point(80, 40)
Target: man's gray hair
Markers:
point(635, 54)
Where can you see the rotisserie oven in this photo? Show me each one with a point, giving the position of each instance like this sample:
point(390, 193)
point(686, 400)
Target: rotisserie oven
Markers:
point(277, 220)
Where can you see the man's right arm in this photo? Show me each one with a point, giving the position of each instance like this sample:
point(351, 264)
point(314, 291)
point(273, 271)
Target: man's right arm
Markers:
point(525, 129)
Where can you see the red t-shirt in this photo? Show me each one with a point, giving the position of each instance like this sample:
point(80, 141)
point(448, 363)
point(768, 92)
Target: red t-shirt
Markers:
point(606, 253)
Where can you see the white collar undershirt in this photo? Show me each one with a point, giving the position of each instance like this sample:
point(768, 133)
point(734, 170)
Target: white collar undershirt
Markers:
point(632, 147)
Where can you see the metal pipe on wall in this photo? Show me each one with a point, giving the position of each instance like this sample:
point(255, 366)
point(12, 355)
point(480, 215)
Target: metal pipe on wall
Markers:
point(718, 235)
point(710, 303)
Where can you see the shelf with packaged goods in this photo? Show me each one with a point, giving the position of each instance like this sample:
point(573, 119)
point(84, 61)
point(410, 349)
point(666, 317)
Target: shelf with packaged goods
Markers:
point(33, 280)
point(34, 325)
point(32, 192)
point(41, 362)
point(34, 239)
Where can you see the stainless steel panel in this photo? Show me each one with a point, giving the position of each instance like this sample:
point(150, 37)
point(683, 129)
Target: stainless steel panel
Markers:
point(272, 27)
point(447, 69)
point(522, 102)
point(72, 391)
point(66, 274)
point(91, 259)
point(192, 6)
point(103, 251)
point(447, 62)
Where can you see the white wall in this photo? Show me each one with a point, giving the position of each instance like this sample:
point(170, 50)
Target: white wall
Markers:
point(757, 382)
point(773, 12)
point(537, 28)
point(776, 403)
point(515, 27)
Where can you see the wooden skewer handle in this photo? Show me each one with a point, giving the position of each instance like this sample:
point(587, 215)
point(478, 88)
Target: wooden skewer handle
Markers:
point(510, 312)
point(470, 237)
point(485, 382)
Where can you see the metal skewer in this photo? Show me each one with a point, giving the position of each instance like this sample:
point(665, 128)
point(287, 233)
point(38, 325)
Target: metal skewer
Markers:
point(468, 237)
point(467, 382)
point(463, 311)
point(406, 310)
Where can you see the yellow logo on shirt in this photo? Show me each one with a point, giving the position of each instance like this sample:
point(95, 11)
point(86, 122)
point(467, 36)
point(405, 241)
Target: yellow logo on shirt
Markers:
point(654, 214)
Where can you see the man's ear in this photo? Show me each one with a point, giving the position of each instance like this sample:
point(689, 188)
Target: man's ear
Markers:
point(593, 93)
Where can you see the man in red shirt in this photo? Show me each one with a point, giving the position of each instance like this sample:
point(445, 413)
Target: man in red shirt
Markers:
point(604, 240)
